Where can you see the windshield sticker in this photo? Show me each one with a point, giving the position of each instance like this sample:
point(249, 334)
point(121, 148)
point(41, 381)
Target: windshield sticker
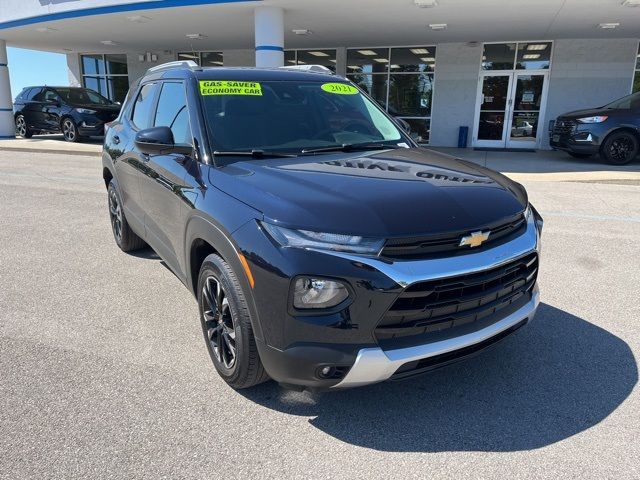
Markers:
point(229, 87)
point(339, 88)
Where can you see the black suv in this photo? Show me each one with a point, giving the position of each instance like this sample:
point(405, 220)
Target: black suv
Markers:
point(324, 247)
point(612, 131)
point(76, 112)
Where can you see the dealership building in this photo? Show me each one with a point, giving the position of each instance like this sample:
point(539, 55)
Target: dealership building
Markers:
point(501, 68)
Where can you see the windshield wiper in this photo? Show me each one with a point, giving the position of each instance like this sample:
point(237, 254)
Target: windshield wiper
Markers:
point(349, 147)
point(255, 154)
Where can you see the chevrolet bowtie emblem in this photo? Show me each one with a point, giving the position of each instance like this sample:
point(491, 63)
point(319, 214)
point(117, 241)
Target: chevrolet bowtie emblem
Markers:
point(475, 239)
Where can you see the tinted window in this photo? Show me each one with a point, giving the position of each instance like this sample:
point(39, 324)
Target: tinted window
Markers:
point(82, 96)
point(40, 96)
point(143, 105)
point(626, 103)
point(172, 112)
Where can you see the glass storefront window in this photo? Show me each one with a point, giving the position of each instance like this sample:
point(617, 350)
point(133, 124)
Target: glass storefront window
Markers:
point(533, 56)
point(99, 84)
point(420, 129)
point(326, 58)
point(116, 64)
point(498, 56)
point(367, 60)
point(410, 95)
point(289, 57)
point(211, 59)
point(93, 65)
point(374, 85)
point(413, 59)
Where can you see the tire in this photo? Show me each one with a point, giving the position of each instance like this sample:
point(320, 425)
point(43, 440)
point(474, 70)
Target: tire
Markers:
point(620, 148)
point(70, 130)
point(22, 130)
point(125, 238)
point(227, 331)
point(579, 155)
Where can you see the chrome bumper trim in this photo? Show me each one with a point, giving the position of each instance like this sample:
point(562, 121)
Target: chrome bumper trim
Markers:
point(374, 365)
point(406, 272)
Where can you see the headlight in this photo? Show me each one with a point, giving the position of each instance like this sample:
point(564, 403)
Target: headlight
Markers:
point(595, 119)
point(537, 218)
point(85, 110)
point(325, 241)
point(318, 293)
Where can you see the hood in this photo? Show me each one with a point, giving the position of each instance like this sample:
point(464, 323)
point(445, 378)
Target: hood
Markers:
point(383, 193)
point(589, 112)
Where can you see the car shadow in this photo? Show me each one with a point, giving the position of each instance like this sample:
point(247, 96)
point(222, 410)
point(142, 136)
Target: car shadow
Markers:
point(146, 253)
point(557, 377)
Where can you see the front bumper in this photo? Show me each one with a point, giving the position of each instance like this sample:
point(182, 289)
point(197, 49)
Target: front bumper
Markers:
point(374, 365)
point(294, 348)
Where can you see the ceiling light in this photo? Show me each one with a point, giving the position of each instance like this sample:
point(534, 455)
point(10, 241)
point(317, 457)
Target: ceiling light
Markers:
point(318, 54)
point(428, 59)
point(631, 3)
point(217, 63)
point(291, 61)
point(419, 51)
point(189, 55)
point(381, 60)
point(138, 19)
point(353, 67)
point(195, 36)
point(108, 42)
point(395, 67)
point(426, 3)
point(301, 31)
point(46, 29)
point(332, 61)
point(608, 26)
point(370, 53)
point(531, 56)
point(537, 46)
point(437, 26)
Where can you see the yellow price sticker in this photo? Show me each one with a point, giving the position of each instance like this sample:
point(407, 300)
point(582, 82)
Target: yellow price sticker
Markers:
point(339, 88)
point(229, 87)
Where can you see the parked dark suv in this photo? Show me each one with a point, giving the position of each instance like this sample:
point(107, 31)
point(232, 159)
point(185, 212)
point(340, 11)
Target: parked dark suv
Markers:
point(76, 112)
point(612, 131)
point(325, 249)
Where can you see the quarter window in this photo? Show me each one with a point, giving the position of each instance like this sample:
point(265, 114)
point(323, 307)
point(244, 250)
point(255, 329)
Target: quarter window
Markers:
point(143, 106)
point(636, 79)
point(172, 112)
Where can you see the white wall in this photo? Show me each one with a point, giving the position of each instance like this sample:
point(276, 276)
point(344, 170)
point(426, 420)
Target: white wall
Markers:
point(454, 100)
point(137, 69)
point(74, 70)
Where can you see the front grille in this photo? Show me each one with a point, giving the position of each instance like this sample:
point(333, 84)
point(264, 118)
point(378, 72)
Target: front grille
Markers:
point(436, 305)
point(564, 127)
point(425, 246)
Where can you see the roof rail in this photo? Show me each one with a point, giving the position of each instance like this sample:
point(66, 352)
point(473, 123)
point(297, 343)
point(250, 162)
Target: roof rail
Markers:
point(190, 64)
point(310, 68)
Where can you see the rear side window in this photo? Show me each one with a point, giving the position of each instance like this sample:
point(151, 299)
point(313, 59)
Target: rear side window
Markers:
point(172, 112)
point(143, 106)
point(31, 93)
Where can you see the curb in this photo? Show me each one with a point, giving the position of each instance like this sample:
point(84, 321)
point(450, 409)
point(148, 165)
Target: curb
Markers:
point(45, 150)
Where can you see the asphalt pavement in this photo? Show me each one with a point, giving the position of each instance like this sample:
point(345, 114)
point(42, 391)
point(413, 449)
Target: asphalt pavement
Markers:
point(104, 372)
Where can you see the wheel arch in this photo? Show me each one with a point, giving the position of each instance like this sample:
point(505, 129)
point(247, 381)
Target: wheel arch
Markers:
point(204, 238)
point(621, 128)
point(107, 176)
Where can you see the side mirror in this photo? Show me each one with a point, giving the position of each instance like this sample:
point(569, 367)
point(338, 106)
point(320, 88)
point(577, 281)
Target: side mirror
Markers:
point(159, 141)
point(403, 124)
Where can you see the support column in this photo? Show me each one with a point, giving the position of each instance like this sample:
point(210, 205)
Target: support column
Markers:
point(7, 126)
point(269, 34)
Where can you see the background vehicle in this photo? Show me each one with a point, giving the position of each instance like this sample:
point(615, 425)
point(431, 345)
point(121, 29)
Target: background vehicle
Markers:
point(613, 131)
point(74, 112)
point(326, 250)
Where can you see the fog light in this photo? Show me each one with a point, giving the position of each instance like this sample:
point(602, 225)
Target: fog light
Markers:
point(318, 293)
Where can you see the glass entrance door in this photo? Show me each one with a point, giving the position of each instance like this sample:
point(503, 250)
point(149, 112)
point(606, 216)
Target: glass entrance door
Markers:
point(509, 110)
point(525, 110)
point(493, 109)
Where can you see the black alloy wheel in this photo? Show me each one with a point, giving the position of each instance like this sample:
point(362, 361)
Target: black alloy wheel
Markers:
point(219, 324)
point(620, 148)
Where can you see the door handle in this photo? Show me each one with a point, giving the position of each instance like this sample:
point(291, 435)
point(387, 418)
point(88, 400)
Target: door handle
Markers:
point(116, 139)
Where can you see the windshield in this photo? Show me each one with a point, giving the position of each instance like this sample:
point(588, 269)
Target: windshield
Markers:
point(626, 103)
point(82, 96)
point(291, 116)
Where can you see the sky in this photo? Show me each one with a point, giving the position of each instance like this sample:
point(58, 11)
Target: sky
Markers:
point(31, 67)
